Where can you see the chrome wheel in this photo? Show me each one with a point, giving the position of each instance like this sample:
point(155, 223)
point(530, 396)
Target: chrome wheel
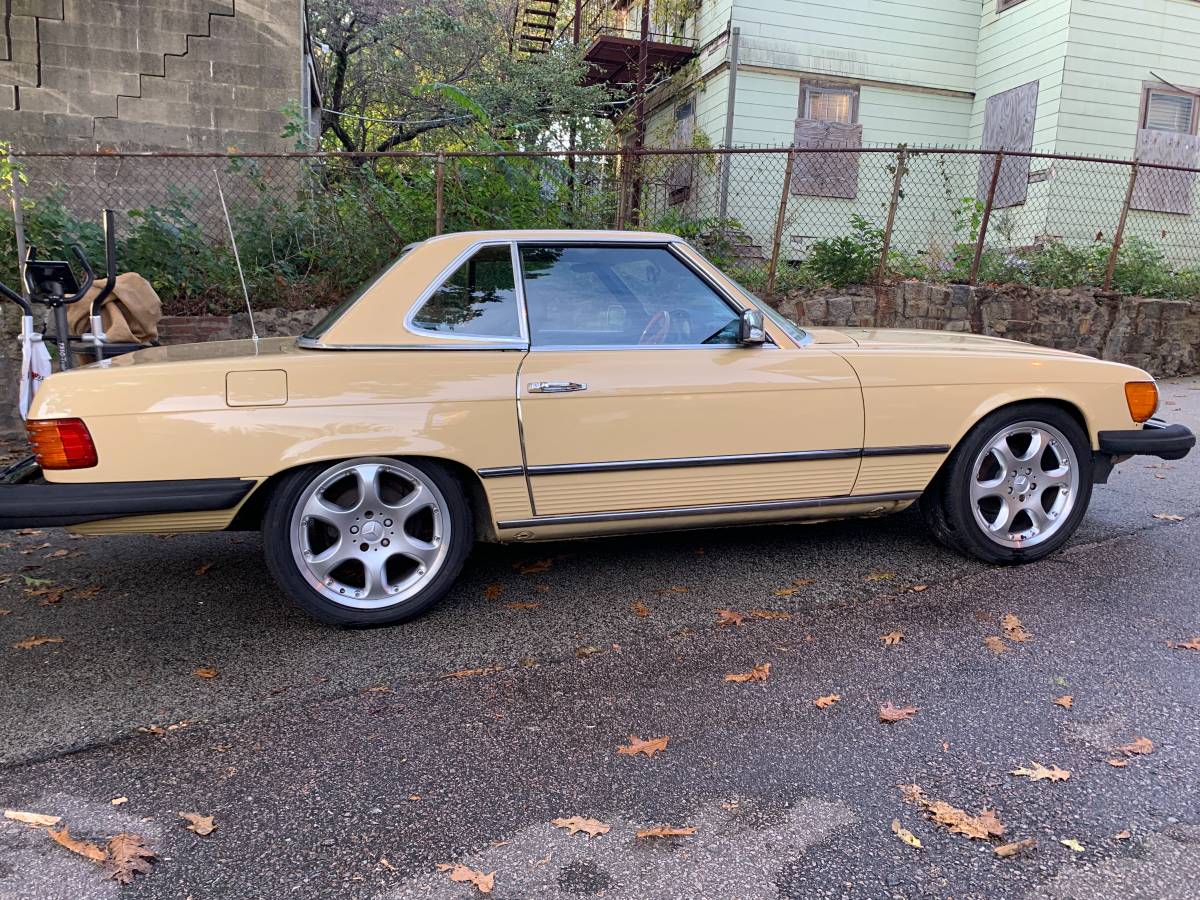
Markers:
point(370, 532)
point(1023, 484)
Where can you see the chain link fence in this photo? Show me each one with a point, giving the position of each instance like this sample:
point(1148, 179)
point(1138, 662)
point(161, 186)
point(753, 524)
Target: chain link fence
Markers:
point(311, 228)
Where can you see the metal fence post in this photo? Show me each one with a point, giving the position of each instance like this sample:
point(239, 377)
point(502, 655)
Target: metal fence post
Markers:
point(987, 215)
point(439, 213)
point(727, 144)
point(897, 179)
point(1119, 236)
point(777, 240)
point(18, 222)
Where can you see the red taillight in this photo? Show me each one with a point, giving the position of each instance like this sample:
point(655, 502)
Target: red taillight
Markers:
point(61, 443)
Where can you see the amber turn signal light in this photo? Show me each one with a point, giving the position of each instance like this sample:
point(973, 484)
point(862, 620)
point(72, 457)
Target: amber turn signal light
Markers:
point(61, 443)
point(1142, 397)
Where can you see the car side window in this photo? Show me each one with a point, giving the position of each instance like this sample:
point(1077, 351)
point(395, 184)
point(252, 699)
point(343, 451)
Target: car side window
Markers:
point(588, 296)
point(478, 300)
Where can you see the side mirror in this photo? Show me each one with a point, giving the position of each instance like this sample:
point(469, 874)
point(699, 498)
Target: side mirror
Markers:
point(752, 330)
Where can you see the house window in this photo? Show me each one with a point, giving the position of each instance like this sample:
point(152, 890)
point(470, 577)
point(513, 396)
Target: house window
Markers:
point(679, 174)
point(1002, 5)
point(1166, 110)
point(829, 104)
point(828, 120)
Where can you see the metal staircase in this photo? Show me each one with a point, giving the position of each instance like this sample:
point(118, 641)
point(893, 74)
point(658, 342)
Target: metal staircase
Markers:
point(536, 24)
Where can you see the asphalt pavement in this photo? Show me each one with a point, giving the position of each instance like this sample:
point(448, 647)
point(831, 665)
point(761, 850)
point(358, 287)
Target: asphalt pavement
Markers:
point(341, 763)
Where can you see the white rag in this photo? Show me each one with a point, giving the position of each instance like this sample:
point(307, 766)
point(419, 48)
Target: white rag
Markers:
point(35, 364)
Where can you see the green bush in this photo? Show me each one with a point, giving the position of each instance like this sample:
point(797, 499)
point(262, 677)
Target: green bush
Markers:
point(849, 259)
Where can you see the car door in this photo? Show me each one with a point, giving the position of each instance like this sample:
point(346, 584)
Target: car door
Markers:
point(636, 394)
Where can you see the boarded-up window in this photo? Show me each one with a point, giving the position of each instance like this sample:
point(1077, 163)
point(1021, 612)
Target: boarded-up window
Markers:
point(828, 120)
point(1008, 120)
point(1165, 190)
point(681, 172)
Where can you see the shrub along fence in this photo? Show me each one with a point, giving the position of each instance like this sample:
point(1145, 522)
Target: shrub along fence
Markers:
point(312, 227)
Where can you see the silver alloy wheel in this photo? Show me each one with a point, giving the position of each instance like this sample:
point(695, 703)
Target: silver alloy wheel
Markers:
point(1023, 484)
point(370, 532)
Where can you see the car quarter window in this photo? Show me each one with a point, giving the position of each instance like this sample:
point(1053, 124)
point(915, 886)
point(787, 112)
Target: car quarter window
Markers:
point(588, 295)
point(478, 300)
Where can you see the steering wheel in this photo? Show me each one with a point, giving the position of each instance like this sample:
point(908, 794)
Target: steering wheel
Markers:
point(657, 328)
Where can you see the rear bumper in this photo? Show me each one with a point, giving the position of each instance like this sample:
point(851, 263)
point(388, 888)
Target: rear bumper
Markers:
point(1156, 438)
point(35, 505)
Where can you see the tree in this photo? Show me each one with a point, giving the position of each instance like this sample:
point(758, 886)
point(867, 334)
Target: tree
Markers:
point(441, 72)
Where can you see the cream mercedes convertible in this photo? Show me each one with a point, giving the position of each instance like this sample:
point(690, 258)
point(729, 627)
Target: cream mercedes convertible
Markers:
point(528, 386)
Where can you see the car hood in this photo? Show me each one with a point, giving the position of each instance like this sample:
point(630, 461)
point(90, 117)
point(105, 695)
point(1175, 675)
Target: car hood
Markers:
point(904, 338)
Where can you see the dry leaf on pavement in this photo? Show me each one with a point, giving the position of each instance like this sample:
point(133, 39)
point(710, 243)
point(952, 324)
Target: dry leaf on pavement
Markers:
point(1168, 517)
point(759, 673)
point(492, 591)
point(202, 825)
point(119, 801)
point(1013, 629)
point(206, 672)
point(1123, 835)
point(647, 747)
point(1137, 747)
point(905, 835)
point(36, 640)
point(785, 591)
point(1118, 763)
point(640, 609)
point(471, 673)
point(128, 855)
point(666, 831)
point(827, 700)
point(1065, 701)
point(590, 827)
point(880, 576)
point(522, 604)
point(890, 713)
point(726, 617)
point(983, 827)
point(38, 820)
point(1193, 644)
point(1038, 772)
point(770, 614)
point(202, 568)
point(996, 644)
point(892, 638)
point(1006, 850)
point(918, 588)
point(459, 872)
point(1072, 844)
point(84, 848)
point(534, 568)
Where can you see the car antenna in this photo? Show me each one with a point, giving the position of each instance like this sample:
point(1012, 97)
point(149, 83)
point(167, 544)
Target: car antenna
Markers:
point(237, 257)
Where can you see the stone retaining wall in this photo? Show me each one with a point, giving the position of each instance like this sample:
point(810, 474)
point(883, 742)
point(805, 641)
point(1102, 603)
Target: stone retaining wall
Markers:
point(1161, 336)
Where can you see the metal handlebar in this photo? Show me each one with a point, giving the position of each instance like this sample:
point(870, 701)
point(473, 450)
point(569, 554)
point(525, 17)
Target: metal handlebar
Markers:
point(89, 277)
point(16, 298)
point(110, 259)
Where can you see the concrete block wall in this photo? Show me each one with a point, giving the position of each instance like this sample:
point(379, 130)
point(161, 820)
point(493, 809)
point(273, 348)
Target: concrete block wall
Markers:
point(148, 74)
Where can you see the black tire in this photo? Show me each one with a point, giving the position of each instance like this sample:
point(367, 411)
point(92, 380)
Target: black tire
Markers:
point(285, 566)
point(947, 506)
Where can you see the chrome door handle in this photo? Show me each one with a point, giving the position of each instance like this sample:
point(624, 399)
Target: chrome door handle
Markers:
point(555, 387)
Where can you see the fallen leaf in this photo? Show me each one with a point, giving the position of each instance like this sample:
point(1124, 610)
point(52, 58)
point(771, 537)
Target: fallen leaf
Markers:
point(49, 596)
point(57, 554)
point(1065, 701)
point(522, 604)
point(1038, 772)
point(589, 650)
point(590, 827)
point(1193, 644)
point(37, 820)
point(769, 614)
point(1168, 517)
point(492, 591)
point(803, 582)
point(83, 848)
point(36, 640)
point(826, 701)
point(461, 873)
point(202, 825)
point(1138, 747)
point(1123, 835)
point(471, 673)
point(640, 609)
point(86, 593)
point(996, 644)
point(377, 689)
point(1013, 629)
point(414, 797)
point(918, 588)
point(880, 576)
point(206, 672)
point(982, 615)
point(648, 747)
point(5, 612)
point(892, 638)
point(383, 862)
point(128, 856)
point(1072, 844)
point(905, 835)
point(726, 617)
point(202, 568)
point(1006, 850)
point(660, 831)
point(1118, 763)
point(759, 673)
point(534, 568)
point(889, 713)
point(785, 591)
point(982, 827)
point(119, 801)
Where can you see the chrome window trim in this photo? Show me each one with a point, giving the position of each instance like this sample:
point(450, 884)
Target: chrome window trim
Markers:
point(770, 345)
point(436, 284)
point(305, 343)
point(500, 471)
point(671, 512)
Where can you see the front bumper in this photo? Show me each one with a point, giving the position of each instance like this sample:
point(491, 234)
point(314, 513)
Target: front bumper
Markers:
point(29, 504)
point(1155, 438)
